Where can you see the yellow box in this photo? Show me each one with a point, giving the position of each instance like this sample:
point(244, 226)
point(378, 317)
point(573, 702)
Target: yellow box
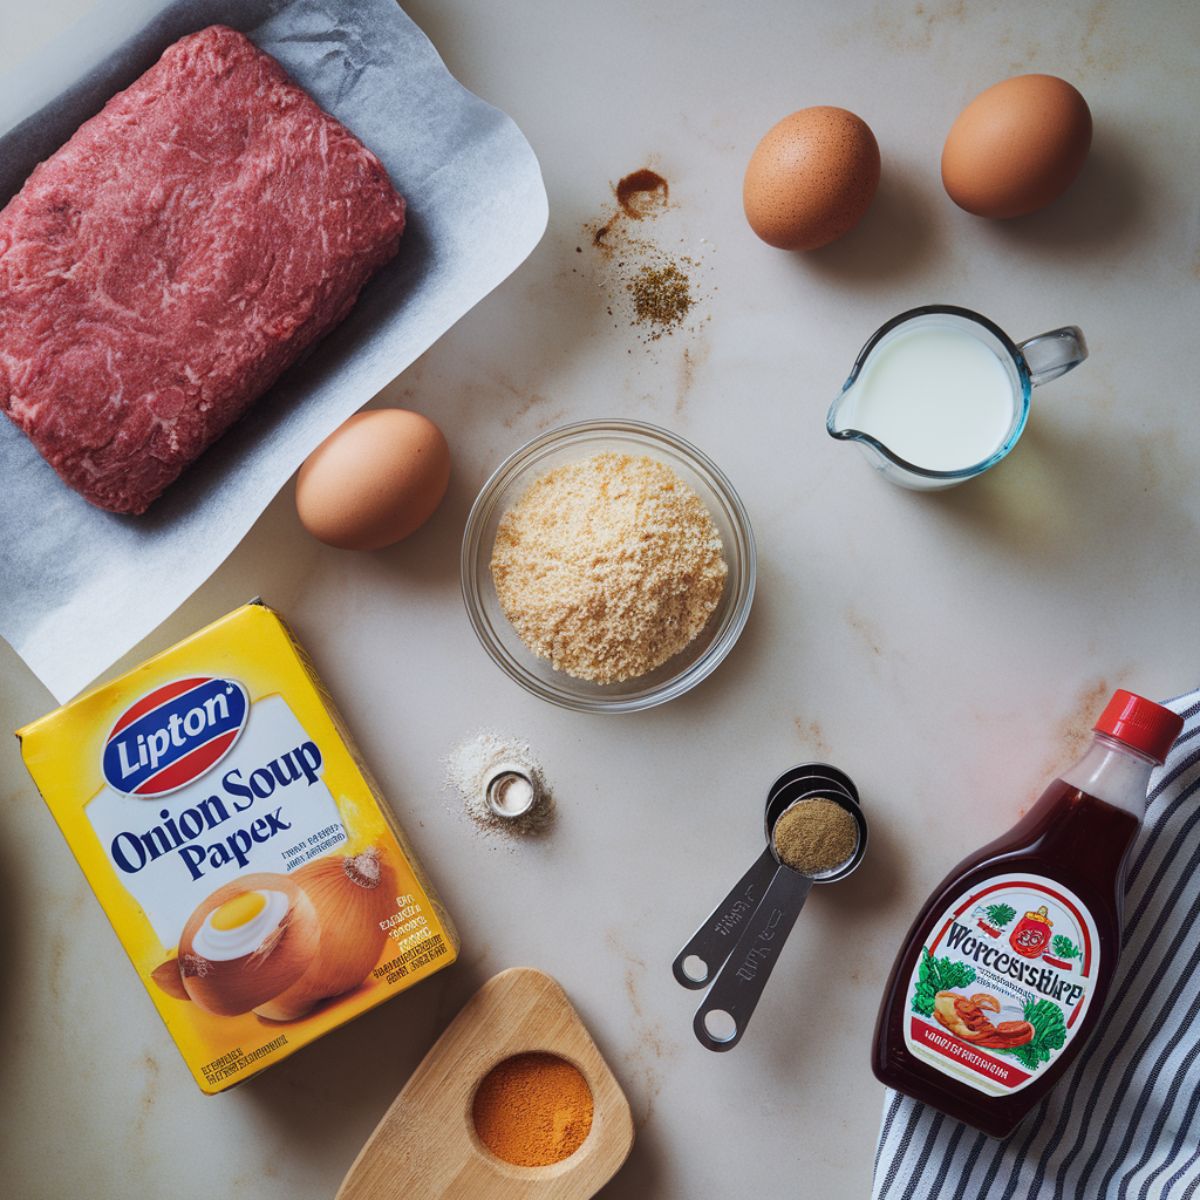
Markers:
point(238, 845)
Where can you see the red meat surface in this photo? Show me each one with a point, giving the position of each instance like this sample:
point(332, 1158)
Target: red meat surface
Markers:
point(161, 270)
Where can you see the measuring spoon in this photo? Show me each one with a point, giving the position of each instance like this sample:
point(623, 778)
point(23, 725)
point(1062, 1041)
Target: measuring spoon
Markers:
point(725, 1013)
point(711, 944)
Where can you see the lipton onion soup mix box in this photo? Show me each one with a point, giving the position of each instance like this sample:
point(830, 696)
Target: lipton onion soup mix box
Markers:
point(238, 845)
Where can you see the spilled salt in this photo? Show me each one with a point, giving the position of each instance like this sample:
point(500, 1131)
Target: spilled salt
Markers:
point(472, 763)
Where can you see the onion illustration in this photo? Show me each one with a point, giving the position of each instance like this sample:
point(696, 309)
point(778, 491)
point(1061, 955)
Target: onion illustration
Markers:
point(248, 941)
point(351, 895)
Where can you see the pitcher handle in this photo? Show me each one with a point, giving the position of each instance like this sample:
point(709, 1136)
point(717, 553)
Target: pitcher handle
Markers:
point(1052, 354)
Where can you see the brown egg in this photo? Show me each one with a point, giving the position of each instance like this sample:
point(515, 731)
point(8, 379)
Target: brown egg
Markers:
point(374, 480)
point(1017, 146)
point(811, 178)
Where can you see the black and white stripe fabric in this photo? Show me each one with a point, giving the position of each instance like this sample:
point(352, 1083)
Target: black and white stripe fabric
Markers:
point(1124, 1121)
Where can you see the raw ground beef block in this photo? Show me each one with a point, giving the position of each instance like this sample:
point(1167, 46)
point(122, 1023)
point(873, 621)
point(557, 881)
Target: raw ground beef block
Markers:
point(161, 270)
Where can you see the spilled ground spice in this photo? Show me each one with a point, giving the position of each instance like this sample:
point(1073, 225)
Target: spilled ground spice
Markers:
point(639, 194)
point(641, 191)
point(532, 1110)
point(650, 287)
point(662, 297)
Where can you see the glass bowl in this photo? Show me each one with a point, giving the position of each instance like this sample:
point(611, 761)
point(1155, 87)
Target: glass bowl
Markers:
point(569, 443)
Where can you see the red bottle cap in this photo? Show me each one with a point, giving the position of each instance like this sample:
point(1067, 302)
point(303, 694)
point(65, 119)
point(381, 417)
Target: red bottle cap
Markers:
point(1140, 723)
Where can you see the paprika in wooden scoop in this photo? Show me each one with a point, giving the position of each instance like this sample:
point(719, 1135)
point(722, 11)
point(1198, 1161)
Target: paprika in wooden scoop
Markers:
point(514, 1100)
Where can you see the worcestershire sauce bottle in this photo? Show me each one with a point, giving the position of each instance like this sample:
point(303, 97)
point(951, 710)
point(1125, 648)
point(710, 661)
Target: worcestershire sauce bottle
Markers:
point(1005, 971)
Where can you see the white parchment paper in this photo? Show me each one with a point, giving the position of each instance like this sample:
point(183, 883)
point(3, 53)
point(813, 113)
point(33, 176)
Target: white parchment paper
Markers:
point(81, 586)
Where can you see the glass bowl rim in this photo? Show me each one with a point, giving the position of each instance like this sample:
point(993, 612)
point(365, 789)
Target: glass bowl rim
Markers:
point(742, 559)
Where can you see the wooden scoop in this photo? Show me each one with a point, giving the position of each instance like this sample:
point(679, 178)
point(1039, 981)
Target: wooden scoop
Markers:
point(426, 1147)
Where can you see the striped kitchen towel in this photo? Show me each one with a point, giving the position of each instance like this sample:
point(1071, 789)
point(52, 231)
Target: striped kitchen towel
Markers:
point(1122, 1123)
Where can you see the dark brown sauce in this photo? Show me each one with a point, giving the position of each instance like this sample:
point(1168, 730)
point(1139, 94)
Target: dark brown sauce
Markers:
point(1069, 836)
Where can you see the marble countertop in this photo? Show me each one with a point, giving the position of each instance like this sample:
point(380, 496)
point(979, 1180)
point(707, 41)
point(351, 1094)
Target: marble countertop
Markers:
point(948, 651)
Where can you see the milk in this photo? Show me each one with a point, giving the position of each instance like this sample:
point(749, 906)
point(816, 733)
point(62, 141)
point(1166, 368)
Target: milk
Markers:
point(935, 396)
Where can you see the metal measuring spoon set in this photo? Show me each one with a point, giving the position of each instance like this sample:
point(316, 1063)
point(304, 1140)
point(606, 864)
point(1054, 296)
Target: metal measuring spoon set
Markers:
point(736, 949)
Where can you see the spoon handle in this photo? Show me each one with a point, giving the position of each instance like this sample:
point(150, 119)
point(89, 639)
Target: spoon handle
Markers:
point(735, 992)
point(713, 941)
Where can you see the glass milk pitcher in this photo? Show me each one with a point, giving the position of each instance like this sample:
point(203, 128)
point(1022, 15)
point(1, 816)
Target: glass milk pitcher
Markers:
point(940, 394)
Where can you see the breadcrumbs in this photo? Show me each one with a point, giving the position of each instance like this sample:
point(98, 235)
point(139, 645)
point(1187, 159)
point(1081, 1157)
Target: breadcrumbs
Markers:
point(609, 566)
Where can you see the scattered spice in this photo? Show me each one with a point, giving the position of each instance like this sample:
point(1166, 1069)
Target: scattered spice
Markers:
point(533, 1110)
point(638, 195)
point(608, 566)
point(601, 232)
point(641, 191)
point(815, 836)
point(662, 297)
point(652, 288)
point(473, 763)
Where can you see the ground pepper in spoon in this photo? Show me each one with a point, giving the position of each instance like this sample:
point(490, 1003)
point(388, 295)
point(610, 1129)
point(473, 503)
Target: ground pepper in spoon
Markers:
point(814, 836)
point(737, 947)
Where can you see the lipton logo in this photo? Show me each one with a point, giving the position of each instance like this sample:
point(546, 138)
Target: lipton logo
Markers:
point(174, 734)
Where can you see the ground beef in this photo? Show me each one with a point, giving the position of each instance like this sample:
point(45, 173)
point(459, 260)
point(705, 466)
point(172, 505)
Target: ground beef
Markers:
point(161, 270)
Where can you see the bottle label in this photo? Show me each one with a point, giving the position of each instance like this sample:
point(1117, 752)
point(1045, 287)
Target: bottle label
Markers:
point(1003, 982)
